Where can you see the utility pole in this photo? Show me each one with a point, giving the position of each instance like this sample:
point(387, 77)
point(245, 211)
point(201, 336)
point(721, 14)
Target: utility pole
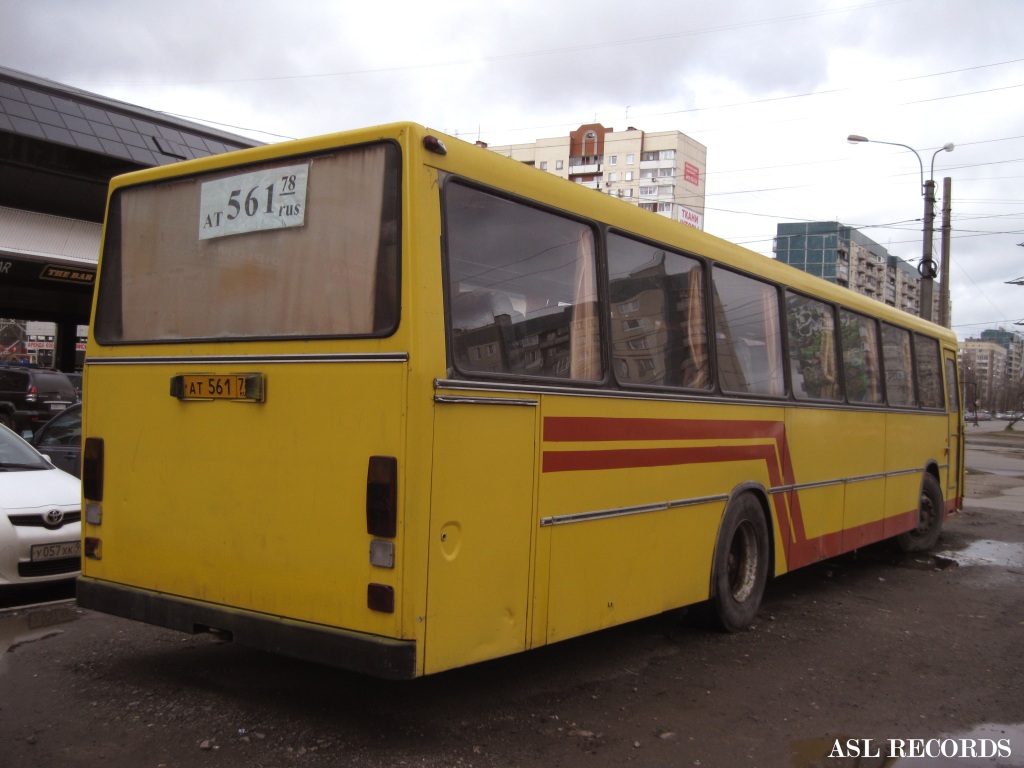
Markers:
point(947, 196)
point(926, 267)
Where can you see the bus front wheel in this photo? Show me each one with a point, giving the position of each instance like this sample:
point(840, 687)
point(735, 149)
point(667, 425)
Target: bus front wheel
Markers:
point(929, 519)
point(741, 565)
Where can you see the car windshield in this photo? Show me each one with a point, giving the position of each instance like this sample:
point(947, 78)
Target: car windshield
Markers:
point(16, 454)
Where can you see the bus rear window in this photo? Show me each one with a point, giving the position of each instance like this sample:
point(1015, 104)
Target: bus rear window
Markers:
point(297, 248)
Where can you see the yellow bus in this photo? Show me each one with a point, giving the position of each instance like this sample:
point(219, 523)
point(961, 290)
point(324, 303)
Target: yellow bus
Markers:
point(388, 401)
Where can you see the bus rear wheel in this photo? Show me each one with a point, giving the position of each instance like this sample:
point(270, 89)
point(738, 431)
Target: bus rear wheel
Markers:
point(929, 519)
point(741, 565)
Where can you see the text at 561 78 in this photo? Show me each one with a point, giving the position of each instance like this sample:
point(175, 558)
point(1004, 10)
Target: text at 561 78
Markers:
point(273, 198)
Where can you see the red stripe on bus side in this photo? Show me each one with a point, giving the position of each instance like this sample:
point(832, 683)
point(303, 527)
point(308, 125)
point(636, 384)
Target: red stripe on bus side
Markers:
point(631, 458)
point(600, 429)
point(800, 550)
point(778, 461)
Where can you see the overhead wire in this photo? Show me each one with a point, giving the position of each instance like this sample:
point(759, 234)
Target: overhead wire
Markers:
point(526, 54)
point(960, 232)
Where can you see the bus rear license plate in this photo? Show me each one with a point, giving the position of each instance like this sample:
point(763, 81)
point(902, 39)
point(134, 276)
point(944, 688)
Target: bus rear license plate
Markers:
point(204, 386)
point(60, 551)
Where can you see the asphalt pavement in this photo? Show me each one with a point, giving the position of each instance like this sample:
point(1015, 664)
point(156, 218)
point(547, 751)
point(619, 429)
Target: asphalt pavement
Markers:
point(871, 645)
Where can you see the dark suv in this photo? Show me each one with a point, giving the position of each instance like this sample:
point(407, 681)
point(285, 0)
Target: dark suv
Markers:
point(30, 397)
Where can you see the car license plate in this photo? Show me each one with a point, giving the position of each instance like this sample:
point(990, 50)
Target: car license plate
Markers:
point(58, 406)
point(205, 386)
point(58, 551)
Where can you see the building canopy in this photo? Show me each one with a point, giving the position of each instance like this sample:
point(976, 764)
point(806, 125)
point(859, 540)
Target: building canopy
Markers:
point(59, 148)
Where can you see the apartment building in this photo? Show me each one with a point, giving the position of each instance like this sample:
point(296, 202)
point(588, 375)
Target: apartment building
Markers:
point(662, 172)
point(992, 369)
point(845, 256)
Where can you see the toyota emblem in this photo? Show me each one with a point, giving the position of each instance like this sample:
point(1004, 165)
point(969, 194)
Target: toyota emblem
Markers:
point(54, 517)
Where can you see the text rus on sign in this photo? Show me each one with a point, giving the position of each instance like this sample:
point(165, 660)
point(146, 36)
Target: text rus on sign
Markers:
point(274, 198)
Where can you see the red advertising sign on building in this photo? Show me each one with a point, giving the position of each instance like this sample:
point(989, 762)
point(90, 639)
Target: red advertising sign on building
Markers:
point(691, 173)
point(691, 218)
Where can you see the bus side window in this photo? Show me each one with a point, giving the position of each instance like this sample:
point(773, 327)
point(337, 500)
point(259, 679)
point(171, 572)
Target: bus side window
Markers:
point(813, 365)
point(659, 335)
point(953, 392)
point(747, 332)
point(477, 308)
point(899, 369)
point(862, 370)
point(532, 310)
point(928, 365)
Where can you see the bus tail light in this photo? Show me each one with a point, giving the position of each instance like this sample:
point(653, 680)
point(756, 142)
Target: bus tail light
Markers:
point(92, 469)
point(93, 548)
point(382, 497)
point(380, 597)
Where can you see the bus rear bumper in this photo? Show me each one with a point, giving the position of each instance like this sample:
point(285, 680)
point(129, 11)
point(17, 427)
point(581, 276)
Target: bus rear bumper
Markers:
point(369, 654)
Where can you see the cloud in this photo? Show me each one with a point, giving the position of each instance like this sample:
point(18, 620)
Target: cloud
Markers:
point(771, 89)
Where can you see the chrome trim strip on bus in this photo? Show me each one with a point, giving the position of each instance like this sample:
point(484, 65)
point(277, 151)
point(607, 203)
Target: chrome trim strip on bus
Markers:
point(466, 400)
point(845, 480)
point(602, 514)
point(906, 472)
point(837, 481)
point(371, 357)
point(515, 387)
point(667, 396)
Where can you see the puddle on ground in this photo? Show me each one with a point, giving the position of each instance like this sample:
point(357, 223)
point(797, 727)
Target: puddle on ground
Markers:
point(31, 625)
point(1005, 472)
point(986, 552)
point(990, 744)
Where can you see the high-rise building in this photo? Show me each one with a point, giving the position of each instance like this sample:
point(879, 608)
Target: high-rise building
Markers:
point(992, 368)
point(845, 256)
point(661, 172)
point(1013, 343)
point(983, 370)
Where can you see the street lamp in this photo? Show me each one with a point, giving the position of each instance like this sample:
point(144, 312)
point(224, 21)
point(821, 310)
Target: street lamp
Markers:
point(927, 267)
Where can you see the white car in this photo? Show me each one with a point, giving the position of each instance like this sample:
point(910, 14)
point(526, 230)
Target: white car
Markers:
point(40, 516)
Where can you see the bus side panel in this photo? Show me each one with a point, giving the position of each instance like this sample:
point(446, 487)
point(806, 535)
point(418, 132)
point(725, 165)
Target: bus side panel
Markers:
point(911, 442)
point(815, 454)
point(631, 499)
point(202, 503)
point(606, 572)
point(481, 533)
point(861, 457)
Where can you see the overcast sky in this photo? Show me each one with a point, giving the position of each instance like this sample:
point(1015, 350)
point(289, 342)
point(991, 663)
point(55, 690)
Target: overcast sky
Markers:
point(772, 89)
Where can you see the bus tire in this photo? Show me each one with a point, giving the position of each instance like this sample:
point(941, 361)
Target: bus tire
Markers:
point(929, 519)
point(741, 565)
